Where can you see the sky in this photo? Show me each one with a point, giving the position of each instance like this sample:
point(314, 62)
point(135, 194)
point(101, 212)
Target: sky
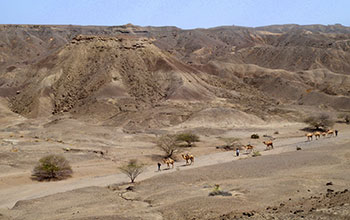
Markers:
point(185, 14)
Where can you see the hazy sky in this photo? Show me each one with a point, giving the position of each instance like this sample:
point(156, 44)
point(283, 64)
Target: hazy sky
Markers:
point(180, 13)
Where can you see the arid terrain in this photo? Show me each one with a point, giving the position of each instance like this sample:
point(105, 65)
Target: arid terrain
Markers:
point(109, 93)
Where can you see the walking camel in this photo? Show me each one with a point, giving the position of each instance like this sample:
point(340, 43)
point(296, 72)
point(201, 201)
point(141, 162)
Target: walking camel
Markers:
point(330, 133)
point(249, 148)
point(268, 144)
point(169, 161)
point(309, 136)
point(188, 157)
point(317, 135)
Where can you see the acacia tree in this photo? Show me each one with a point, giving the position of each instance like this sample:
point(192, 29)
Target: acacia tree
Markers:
point(132, 169)
point(52, 167)
point(189, 138)
point(321, 121)
point(169, 144)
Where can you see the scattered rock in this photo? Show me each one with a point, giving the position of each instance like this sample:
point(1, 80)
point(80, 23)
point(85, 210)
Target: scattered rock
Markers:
point(330, 190)
point(249, 214)
point(130, 188)
point(298, 211)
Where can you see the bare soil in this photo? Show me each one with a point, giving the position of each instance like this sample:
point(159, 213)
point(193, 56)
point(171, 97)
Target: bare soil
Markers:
point(258, 184)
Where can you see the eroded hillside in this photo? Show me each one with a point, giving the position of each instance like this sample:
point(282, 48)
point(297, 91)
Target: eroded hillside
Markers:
point(141, 77)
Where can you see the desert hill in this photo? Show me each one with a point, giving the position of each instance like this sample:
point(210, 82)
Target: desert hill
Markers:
point(105, 76)
point(115, 72)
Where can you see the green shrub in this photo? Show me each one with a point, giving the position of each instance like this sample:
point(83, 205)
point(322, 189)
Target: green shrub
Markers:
point(254, 136)
point(52, 167)
point(256, 154)
point(189, 138)
point(321, 121)
point(218, 192)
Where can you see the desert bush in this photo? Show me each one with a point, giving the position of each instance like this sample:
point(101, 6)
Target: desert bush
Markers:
point(319, 122)
point(218, 192)
point(189, 138)
point(256, 154)
point(254, 136)
point(345, 117)
point(52, 167)
point(132, 169)
point(168, 144)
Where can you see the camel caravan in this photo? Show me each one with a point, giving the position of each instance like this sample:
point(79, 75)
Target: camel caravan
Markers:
point(250, 148)
point(189, 158)
point(317, 134)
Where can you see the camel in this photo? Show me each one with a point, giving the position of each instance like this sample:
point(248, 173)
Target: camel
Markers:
point(249, 148)
point(169, 161)
point(317, 135)
point(268, 144)
point(330, 133)
point(309, 136)
point(188, 157)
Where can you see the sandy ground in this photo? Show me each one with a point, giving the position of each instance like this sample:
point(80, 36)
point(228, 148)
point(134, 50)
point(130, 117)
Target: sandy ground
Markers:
point(97, 170)
point(248, 179)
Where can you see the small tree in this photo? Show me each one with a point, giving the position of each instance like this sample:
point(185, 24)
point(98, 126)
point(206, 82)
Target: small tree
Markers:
point(132, 169)
point(52, 167)
point(189, 138)
point(321, 121)
point(169, 144)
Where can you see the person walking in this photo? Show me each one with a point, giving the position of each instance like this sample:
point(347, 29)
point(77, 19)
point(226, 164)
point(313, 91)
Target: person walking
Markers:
point(336, 132)
point(237, 152)
point(159, 164)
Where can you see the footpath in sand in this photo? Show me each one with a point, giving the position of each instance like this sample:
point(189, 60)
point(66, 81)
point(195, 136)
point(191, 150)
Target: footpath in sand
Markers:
point(9, 196)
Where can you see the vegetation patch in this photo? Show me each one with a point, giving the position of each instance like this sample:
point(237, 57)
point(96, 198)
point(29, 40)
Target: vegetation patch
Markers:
point(254, 136)
point(189, 138)
point(319, 122)
point(52, 167)
point(133, 169)
point(256, 154)
point(218, 192)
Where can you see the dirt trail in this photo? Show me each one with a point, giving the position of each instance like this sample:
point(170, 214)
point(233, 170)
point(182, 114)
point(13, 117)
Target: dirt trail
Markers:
point(9, 196)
